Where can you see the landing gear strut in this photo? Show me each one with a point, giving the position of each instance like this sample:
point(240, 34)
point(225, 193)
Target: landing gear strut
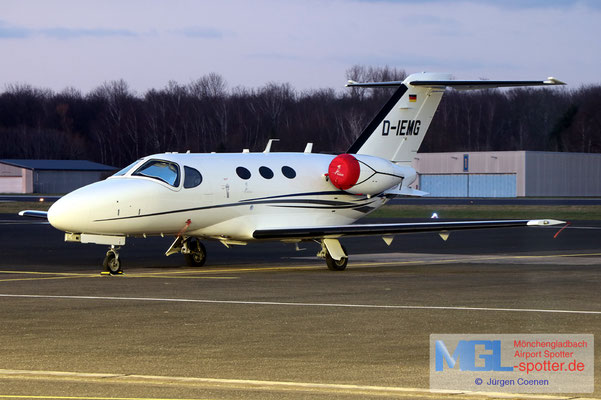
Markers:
point(112, 262)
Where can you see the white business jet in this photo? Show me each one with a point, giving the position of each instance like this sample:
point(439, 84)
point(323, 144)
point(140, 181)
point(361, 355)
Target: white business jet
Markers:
point(238, 198)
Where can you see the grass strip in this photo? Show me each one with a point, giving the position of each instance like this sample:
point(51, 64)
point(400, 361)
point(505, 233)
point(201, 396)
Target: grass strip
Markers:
point(561, 212)
point(13, 207)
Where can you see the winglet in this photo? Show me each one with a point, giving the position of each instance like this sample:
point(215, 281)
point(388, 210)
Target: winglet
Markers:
point(544, 222)
point(554, 81)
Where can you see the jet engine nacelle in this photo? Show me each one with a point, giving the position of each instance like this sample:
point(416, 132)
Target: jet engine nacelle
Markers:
point(361, 174)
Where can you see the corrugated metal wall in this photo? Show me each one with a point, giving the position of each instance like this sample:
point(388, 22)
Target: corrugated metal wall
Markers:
point(15, 180)
point(469, 185)
point(492, 185)
point(64, 181)
point(489, 163)
point(11, 184)
point(563, 174)
point(452, 185)
point(529, 173)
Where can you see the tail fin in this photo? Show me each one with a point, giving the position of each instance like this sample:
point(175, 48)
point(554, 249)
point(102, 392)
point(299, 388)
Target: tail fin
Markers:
point(400, 127)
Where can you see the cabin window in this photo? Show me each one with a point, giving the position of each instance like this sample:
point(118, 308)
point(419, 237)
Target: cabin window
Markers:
point(165, 171)
point(192, 177)
point(288, 172)
point(266, 172)
point(243, 173)
point(126, 169)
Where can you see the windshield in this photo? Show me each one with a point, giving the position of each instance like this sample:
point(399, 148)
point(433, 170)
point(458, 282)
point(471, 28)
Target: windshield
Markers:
point(126, 169)
point(165, 171)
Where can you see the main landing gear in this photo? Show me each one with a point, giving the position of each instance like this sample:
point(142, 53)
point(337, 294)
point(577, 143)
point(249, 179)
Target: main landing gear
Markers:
point(193, 250)
point(195, 254)
point(334, 254)
point(112, 262)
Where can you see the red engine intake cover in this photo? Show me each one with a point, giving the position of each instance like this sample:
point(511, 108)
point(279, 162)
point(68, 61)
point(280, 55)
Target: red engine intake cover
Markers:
point(344, 171)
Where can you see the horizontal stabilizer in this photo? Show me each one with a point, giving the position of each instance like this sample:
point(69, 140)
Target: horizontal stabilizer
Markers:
point(406, 191)
point(472, 85)
point(374, 84)
point(34, 214)
point(397, 131)
point(317, 232)
point(459, 85)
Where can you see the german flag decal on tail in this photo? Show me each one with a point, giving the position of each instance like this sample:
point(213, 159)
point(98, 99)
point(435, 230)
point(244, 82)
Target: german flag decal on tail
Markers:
point(412, 98)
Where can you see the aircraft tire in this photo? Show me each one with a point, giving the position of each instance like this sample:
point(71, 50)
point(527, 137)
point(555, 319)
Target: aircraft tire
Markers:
point(198, 256)
point(112, 263)
point(336, 265)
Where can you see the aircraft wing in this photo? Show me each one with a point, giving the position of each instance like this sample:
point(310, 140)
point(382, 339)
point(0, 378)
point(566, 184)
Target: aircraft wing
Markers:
point(34, 214)
point(392, 229)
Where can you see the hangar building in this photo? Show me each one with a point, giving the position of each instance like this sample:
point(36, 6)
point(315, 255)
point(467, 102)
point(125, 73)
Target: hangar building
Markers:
point(509, 174)
point(49, 176)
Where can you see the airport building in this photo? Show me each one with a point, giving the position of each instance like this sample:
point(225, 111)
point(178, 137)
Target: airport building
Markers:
point(49, 176)
point(509, 174)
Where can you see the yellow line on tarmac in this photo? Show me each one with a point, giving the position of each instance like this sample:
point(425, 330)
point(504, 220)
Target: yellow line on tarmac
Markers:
point(249, 384)
point(237, 270)
point(39, 279)
point(422, 262)
point(44, 273)
point(485, 258)
point(560, 255)
point(167, 274)
point(178, 277)
point(10, 396)
point(178, 274)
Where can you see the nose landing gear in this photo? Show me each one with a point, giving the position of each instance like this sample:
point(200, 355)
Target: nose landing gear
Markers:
point(112, 262)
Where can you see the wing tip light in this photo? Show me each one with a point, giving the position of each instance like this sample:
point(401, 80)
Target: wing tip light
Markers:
point(553, 81)
point(544, 222)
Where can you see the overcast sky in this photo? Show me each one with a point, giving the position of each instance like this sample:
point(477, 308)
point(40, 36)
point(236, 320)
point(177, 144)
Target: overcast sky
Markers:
point(310, 44)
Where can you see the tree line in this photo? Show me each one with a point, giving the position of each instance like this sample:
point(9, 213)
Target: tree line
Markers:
point(113, 125)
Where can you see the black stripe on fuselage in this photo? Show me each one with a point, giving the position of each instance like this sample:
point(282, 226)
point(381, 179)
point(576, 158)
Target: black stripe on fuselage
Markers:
point(325, 204)
point(329, 193)
point(373, 125)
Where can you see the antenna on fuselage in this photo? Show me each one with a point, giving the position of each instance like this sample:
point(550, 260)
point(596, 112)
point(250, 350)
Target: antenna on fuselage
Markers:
point(309, 148)
point(268, 147)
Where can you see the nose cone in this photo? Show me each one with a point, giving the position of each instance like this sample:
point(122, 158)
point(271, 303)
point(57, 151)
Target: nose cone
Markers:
point(103, 207)
point(71, 212)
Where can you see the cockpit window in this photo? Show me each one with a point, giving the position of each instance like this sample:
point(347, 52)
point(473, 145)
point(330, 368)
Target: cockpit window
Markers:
point(192, 177)
point(165, 171)
point(126, 169)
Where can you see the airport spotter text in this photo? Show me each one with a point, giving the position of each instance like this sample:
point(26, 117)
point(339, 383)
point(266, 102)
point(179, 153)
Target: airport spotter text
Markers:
point(552, 344)
point(401, 127)
point(548, 366)
point(545, 354)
